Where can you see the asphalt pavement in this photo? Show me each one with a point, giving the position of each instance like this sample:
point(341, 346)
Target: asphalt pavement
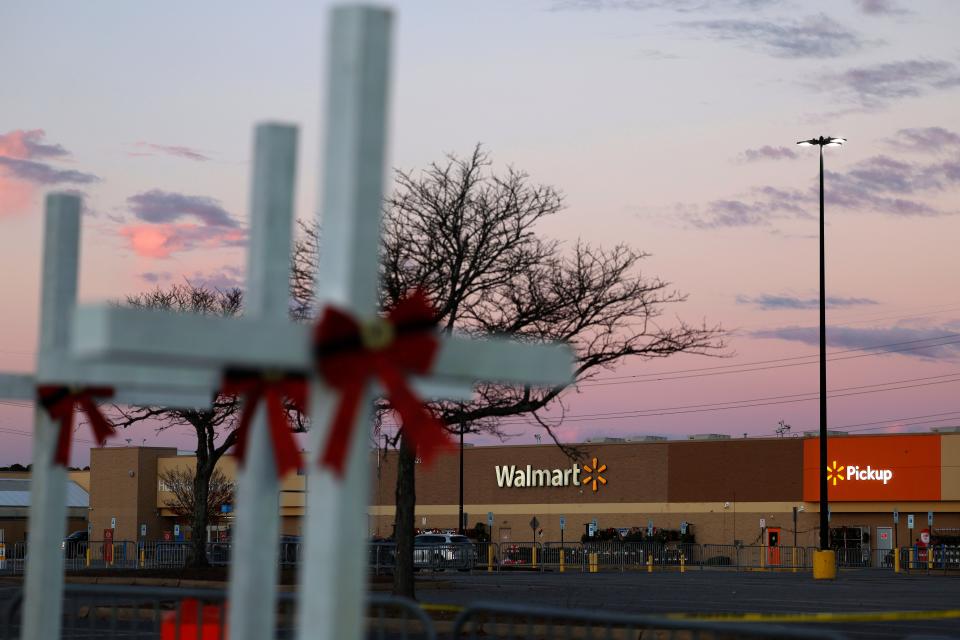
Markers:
point(721, 592)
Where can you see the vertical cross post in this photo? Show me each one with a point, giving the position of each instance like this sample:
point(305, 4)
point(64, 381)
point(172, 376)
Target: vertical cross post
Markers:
point(334, 573)
point(43, 585)
point(256, 531)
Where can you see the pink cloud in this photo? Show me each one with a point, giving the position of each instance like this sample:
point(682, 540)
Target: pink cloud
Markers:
point(29, 145)
point(163, 240)
point(22, 173)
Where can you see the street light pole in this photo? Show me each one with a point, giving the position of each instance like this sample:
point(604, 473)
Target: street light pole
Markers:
point(460, 527)
point(821, 142)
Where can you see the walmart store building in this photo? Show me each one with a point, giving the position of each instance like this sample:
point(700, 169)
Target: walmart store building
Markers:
point(722, 487)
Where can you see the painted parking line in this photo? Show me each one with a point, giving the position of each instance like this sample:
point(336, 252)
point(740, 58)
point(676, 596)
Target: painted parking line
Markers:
point(870, 616)
point(442, 608)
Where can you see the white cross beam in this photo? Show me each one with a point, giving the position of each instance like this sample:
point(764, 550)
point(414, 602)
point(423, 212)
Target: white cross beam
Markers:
point(133, 385)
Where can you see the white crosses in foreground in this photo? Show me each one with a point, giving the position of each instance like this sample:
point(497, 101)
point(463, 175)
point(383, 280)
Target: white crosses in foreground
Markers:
point(132, 385)
point(264, 343)
point(334, 573)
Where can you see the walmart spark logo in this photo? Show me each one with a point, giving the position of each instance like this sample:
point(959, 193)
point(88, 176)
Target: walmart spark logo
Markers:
point(594, 474)
point(835, 472)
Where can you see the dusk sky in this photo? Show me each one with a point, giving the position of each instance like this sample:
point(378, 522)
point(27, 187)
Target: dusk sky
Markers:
point(667, 124)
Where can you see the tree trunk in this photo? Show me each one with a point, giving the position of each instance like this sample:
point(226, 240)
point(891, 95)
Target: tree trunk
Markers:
point(404, 523)
point(198, 519)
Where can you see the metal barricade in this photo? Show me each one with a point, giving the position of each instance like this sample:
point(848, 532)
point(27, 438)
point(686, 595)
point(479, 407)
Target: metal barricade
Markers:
point(853, 557)
point(486, 556)
point(101, 554)
point(566, 557)
point(938, 557)
point(521, 555)
point(521, 622)
point(770, 558)
point(218, 553)
point(383, 557)
point(165, 554)
point(290, 553)
point(439, 557)
point(396, 617)
point(719, 555)
point(114, 612)
point(691, 553)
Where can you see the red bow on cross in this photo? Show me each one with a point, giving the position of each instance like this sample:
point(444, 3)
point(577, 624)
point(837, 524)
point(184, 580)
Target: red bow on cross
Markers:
point(350, 354)
point(60, 401)
point(254, 385)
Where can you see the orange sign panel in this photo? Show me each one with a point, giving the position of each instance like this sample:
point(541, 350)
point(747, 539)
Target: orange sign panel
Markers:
point(874, 468)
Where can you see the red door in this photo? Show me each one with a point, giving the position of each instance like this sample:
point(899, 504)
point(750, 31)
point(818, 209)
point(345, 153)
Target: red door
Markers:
point(773, 546)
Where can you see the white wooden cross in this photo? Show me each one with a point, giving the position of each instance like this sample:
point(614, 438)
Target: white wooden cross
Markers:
point(137, 385)
point(334, 572)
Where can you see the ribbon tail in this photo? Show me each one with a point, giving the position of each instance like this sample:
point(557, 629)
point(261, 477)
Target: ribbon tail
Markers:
point(243, 427)
point(61, 455)
point(98, 423)
point(342, 428)
point(285, 453)
point(423, 428)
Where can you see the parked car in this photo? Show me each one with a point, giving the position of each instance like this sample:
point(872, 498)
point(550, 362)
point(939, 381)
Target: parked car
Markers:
point(440, 551)
point(75, 545)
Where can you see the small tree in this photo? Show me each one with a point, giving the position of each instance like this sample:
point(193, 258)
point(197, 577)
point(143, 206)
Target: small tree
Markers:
point(218, 421)
point(181, 483)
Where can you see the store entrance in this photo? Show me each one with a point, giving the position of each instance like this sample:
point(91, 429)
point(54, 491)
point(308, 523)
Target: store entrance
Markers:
point(851, 545)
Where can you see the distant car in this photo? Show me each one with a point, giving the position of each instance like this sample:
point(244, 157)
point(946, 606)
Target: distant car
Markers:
point(75, 545)
point(440, 551)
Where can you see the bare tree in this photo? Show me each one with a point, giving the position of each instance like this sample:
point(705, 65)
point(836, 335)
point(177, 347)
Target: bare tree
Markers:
point(183, 502)
point(210, 424)
point(466, 236)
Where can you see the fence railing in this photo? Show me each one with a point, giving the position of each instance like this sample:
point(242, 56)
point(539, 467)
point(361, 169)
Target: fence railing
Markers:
point(934, 558)
point(114, 612)
point(507, 556)
point(522, 622)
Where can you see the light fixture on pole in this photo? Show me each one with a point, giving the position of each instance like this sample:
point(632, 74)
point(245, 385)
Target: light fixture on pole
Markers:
point(823, 141)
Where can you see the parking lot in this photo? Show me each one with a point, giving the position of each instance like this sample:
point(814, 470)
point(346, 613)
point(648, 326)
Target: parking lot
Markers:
point(721, 593)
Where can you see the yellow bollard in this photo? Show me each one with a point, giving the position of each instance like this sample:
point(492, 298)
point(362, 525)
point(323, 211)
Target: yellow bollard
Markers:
point(143, 557)
point(593, 563)
point(88, 555)
point(824, 565)
point(913, 550)
point(793, 559)
point(683, 567)
point(929, 557)
point(534, 563)
point(561, 561)
point(489, 558)
point(650, 563)
point(896, 560)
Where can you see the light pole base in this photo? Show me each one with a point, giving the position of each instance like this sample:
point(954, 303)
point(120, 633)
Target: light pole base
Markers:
point(824, 565)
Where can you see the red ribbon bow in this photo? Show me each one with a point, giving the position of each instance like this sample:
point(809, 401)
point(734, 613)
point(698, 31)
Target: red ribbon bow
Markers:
point(350, 354)
point(59, 402)
point(254, 385)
